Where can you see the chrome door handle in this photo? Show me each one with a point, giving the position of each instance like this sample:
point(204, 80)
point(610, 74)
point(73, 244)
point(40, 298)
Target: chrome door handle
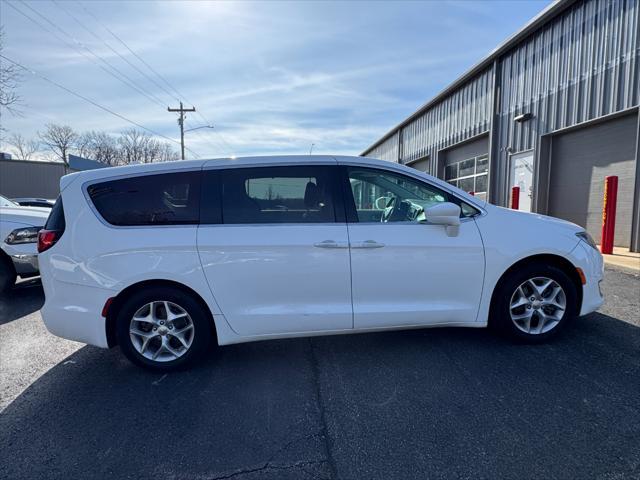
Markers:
point(330, 244)
point(368, 244)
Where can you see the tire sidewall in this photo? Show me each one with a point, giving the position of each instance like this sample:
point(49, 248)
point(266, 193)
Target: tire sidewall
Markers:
point(500, 311)
point(7, 274)
point(202, 335)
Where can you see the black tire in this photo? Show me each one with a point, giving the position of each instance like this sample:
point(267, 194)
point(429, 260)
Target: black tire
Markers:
point(203, 330)
point(500, 315)
point(7, 273)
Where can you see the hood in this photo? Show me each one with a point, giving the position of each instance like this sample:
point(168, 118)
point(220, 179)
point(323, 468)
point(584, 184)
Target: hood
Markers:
point(516, 216)
point(28, 215)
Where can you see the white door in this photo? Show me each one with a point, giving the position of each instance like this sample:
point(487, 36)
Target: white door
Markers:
point(521, 175)
point(405, 271)
point(275, 258)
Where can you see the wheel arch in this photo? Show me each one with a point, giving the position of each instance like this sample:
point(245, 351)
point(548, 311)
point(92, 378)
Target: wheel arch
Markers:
point(548, 259)
point(118, 301)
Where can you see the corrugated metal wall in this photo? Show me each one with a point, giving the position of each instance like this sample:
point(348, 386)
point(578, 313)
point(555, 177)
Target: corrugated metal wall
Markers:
point(578, 67)
point(20, 178)
point(581, 65)
point(458, 117)
point(387, 150)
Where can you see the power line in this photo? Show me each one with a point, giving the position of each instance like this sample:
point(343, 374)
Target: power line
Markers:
point(180, 95)
point(111, 70)
point(92, 102)
point(216, 146)
point(131, 51)
point(104, 42)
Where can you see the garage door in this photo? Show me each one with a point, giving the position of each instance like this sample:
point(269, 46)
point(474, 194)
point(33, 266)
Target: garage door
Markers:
point(580, 160)
point(466, 166)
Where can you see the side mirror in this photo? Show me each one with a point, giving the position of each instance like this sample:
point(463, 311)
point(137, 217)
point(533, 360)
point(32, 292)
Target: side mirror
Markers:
point(447, 214)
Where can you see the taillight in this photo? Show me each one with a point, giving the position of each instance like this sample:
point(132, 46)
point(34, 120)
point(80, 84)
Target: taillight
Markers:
point(47, 239)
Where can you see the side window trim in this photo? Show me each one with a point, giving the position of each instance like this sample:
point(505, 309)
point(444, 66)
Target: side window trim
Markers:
point(210, 198)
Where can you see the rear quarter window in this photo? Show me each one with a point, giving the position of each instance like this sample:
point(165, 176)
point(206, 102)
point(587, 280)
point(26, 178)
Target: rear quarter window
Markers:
point(56, 221)
point(162, 199)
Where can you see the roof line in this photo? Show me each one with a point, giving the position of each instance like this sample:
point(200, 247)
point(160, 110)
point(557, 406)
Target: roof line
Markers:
point(549, 12)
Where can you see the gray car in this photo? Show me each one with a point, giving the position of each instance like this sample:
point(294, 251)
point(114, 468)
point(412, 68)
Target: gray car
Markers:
point(19, 228)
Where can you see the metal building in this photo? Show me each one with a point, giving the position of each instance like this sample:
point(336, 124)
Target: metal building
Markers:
point(554, 110)
point(27, 178)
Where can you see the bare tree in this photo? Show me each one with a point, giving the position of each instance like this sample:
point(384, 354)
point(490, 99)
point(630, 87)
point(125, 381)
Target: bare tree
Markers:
point(132, 144)
point(9, 77)
point(139, 147)
point(99, 146)
point(167, 153)
point(59, 139)
point(22, 148)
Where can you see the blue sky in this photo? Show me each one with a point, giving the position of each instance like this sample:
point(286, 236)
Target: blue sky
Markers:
point(272, 77)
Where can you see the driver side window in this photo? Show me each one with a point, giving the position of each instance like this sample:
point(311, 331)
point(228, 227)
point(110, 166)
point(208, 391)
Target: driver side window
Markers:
point(382, 196)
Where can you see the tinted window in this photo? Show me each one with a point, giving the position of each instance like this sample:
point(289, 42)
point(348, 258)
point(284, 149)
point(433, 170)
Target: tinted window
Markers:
point(277, 195)
point(56, 221)
point(163, 199)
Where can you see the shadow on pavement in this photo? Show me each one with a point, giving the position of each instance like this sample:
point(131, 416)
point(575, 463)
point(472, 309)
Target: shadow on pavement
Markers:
point(416, 404)
point(23, 299)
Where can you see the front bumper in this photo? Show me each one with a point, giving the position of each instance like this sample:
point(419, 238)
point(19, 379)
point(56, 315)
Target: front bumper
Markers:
point(592, 264)
point(24, 257)
point(25, 265)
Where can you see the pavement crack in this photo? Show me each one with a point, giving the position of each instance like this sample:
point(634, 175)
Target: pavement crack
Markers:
point(315, 369)
point(270, 466)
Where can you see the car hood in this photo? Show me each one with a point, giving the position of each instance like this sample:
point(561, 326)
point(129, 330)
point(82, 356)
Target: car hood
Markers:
point(28, 215)
point(545, 219)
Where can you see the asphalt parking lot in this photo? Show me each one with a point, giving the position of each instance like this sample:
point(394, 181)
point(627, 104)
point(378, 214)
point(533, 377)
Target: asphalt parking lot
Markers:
point(445, 403)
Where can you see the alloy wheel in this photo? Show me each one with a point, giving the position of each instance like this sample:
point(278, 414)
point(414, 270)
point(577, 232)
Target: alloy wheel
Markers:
point(161, 331)
point(538, 305)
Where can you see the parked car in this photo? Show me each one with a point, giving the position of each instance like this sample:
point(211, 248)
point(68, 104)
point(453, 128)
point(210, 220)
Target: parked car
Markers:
point(34, 202)
point(165, 259)
point(19, 234)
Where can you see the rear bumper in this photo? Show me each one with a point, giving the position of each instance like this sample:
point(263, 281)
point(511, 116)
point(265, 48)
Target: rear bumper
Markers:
point(74, 312)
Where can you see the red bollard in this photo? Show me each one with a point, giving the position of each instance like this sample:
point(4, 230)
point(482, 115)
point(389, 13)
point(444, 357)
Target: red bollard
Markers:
point(515, 198)
point(609, 214)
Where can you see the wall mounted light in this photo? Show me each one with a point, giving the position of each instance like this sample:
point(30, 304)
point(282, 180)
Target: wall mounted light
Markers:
point(523, 117)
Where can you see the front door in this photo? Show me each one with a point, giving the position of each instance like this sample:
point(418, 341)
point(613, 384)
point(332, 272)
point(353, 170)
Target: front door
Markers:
point(276, 259)
point(405, 271)
point(521, 176)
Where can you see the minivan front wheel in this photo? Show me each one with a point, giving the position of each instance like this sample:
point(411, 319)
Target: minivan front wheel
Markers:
point(163, 329)
point(534, 302)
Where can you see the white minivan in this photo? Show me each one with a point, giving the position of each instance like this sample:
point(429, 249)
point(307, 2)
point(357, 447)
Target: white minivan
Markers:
point(165, 259)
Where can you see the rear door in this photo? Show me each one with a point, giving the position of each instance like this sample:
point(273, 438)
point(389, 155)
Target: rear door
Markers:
point(406, 271)
point(274, 247)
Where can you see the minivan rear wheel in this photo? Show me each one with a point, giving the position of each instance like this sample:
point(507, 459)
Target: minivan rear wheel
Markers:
point(163, 329)
point(534, 303)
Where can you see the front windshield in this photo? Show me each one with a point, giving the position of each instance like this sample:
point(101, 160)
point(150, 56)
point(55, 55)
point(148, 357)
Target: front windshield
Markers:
point(5, 202)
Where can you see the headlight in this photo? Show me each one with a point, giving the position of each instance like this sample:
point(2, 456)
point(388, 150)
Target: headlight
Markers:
point(23, 235)
point(587, 238)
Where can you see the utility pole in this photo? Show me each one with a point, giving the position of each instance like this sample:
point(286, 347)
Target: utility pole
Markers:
point(181, 110)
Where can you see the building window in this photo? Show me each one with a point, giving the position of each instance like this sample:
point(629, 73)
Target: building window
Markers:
point(469, 175)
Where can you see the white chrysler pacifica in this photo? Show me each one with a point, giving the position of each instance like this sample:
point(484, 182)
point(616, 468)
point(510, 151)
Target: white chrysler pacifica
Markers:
point(164, 259)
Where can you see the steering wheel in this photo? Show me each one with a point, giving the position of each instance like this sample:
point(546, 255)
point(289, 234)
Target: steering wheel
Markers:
point(388, 209)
